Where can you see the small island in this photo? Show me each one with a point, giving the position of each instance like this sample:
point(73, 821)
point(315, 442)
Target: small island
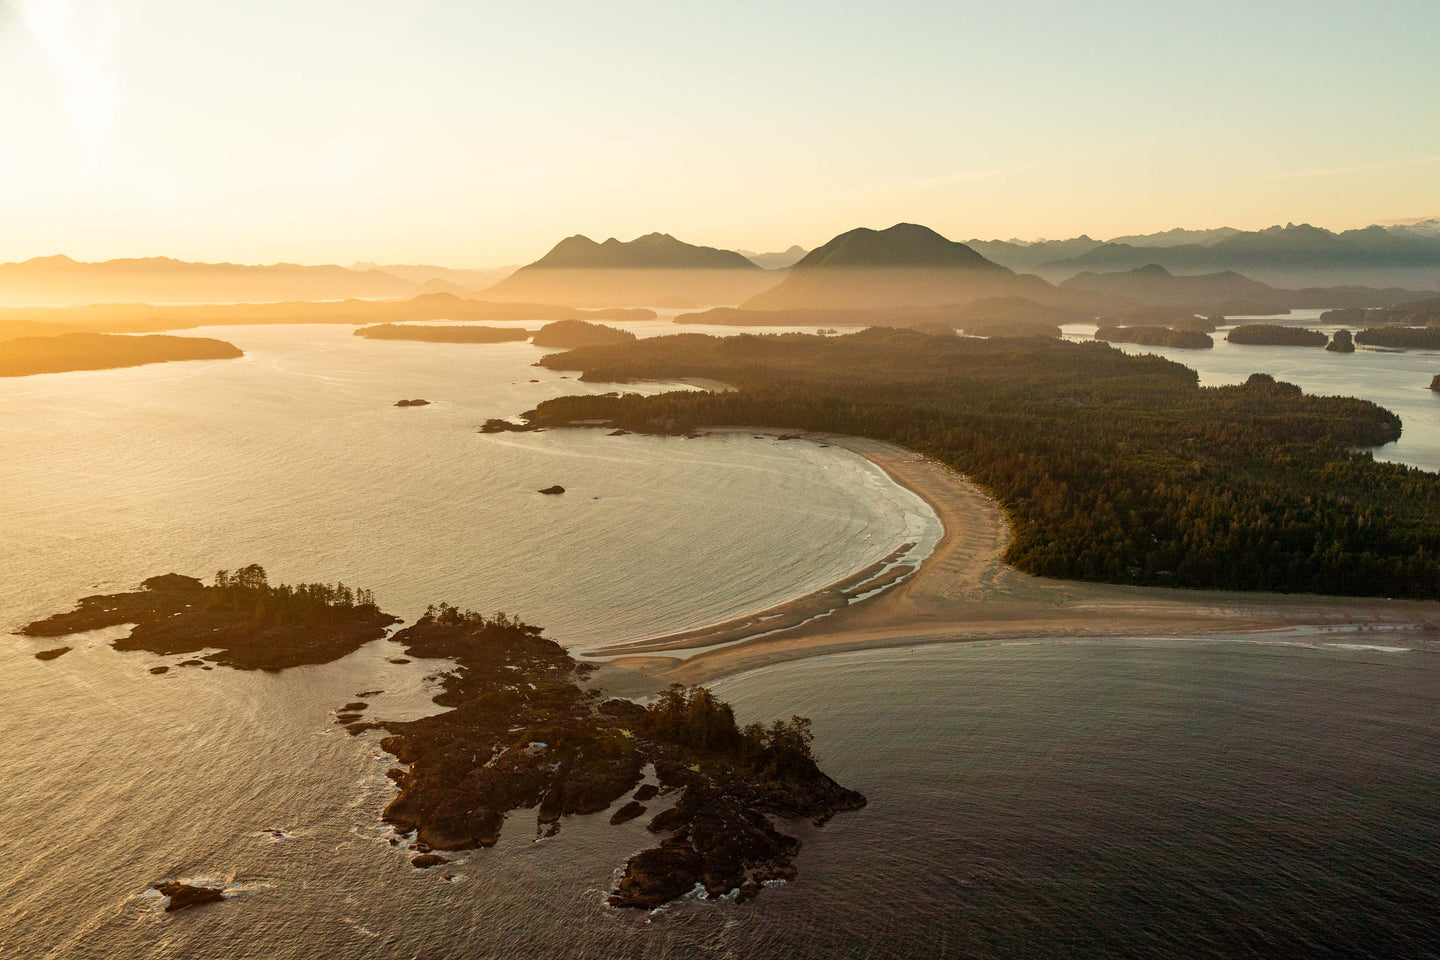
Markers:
point(438, 334)
point(250, 624)
point(1150, 336)
point(183, 895)
point(1342, 342)
point(552, 491)
point(1400, 338)
point(569, 334)
point(26, 356)
point(412, 403)
point(1275, 335)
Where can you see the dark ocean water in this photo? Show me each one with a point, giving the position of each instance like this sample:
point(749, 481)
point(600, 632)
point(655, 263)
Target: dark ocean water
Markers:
point(1047, 798)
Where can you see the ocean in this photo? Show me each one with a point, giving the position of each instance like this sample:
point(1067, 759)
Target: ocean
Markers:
point(1039, 798)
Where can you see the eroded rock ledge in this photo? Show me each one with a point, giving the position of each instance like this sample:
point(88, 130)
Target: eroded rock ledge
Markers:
point(525, 734)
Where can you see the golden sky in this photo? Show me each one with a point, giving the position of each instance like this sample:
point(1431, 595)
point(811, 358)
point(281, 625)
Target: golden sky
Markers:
point(476, 134)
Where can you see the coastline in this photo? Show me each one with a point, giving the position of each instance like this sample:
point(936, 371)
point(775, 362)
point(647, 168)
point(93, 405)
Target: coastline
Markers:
point(964, 592)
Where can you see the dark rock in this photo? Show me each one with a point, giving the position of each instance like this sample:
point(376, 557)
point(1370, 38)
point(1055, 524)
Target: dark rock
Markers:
point(412, 403)
point(183, 895)
point(52, 654)
point(495, 425)
point(159, 670)
point(428, 860)
point(355, 729)
point(1435, 382)
point(627, 813)
point(646, 793)
point(550, 491)
point(343, 718)
point(192, 663)
point(399, 661)
point(619, 433)
point(354, 706)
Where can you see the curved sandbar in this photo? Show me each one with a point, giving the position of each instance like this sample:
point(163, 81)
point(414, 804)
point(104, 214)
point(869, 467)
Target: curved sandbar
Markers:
point(964, 591)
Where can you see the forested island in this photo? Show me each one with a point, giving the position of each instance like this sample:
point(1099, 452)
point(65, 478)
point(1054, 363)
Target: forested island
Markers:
point(24, 356)
point(251, 624)
point(446, 334)
point(1110, 467)
point(569, 334)
point(1156, 337)
point(524, 733)
point(1401, 338)
point(1275, 335)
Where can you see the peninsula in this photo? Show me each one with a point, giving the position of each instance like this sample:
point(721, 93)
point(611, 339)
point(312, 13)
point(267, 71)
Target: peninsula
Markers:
point(1110, 467)
point(26, 356)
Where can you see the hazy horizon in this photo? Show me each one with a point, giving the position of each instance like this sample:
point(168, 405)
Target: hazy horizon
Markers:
point(429, 134)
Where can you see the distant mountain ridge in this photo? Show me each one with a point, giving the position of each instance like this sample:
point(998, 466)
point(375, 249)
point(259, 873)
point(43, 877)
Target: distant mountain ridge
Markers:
point(655, 269)
point(775, 261)
point(60, 280)
point(654, 251)
point(1292, 255)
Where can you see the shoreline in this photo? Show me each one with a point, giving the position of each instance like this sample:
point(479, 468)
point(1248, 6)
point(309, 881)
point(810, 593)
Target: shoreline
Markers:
point(964, 592)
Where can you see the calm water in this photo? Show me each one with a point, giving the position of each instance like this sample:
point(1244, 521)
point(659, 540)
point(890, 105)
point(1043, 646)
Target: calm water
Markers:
point(1052, 798)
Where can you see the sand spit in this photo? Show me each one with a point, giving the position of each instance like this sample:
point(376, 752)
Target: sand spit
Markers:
point(964, 592)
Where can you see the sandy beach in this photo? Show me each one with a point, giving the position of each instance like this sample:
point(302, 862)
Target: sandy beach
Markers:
point(964, 592)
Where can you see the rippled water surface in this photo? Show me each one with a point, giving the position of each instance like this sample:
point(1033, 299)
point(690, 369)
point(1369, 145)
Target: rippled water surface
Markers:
point(1046, 798)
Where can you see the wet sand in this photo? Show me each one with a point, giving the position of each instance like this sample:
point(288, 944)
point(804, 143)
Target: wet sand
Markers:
point(964, 592)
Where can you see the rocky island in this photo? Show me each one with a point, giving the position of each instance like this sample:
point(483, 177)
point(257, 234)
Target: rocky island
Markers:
point(24, 356)
point(525, 733)
point(250, 624)
point(1341, 342)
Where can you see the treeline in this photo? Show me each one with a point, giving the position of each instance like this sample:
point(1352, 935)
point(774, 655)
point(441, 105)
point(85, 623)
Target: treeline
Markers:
point(696, 720)
point(1110, 467)
point(439, 334)
point(1401, 338)
point(1156, 337)
point(1274, 335)
point(248, 592)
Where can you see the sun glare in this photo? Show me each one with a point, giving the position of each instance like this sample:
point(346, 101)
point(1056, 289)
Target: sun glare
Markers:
point(90, 94)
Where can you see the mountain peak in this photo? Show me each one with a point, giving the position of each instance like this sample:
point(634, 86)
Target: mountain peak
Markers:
point(649, 252)
point(905, 245)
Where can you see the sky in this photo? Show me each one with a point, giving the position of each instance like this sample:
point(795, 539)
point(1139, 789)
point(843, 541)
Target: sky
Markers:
point(478, 134)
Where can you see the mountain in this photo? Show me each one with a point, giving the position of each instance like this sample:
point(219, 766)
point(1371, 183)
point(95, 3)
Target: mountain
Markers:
point(1154, 284)
point(775, 261)
point(906, 265)
point(62, 281)
point(1023, 256)
point(1177, 237)
point(429, 274)
point(644, 271)
point(1226, 293)
point(1292, 255)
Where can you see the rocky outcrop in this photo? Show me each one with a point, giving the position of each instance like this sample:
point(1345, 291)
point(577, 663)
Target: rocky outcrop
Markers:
point(183, 895)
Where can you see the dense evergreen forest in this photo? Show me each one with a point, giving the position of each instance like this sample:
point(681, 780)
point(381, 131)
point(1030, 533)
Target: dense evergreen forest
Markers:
point(1275, 335)
point(1156, 337)
point(1401, 338)
point(1111, 467)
